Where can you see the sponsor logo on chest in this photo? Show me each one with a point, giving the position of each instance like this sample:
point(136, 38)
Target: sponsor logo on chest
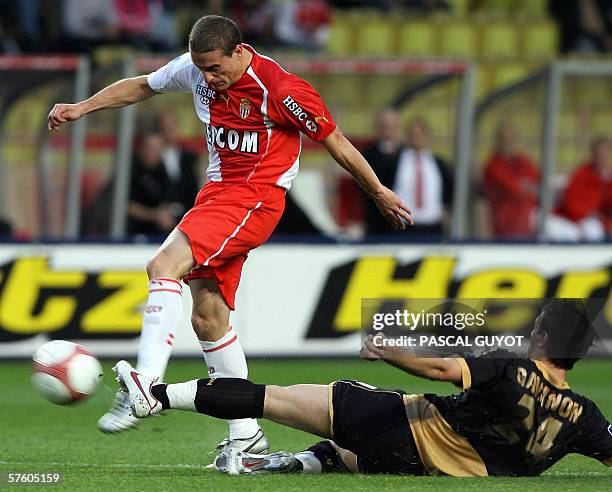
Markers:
point(235, 140)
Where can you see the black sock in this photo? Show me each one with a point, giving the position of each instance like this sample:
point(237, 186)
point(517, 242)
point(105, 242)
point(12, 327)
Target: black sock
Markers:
point(159, 392)
point(230, 398)
point(327, 455)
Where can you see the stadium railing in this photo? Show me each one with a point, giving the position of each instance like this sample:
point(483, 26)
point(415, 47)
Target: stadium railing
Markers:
point(463, 135)
point(540, 105)
point(463, 147)
point(18, 76)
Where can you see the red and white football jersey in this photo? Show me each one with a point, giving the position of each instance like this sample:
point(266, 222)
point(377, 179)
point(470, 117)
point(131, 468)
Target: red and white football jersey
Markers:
point(253, 129)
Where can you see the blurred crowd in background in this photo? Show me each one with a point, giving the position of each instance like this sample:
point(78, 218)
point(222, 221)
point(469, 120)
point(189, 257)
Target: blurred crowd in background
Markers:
point(162, 25)
point(166, 175)
point(509, 185)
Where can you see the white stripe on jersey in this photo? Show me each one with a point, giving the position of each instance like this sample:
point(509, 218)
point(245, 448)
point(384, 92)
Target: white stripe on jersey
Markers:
point(233, 234)
point(214, 161)
point(270, 59)
point(264, 111)
point(214, 165)
point(287, 177)
point(264, 104)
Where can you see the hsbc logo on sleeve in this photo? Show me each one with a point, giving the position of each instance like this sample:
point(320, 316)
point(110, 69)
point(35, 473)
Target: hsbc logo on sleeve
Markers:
point(223, 138)
point(295, 108)
point(312, 126)
point(205, 94)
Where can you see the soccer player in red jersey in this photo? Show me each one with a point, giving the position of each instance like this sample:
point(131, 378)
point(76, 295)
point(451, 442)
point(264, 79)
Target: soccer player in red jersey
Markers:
point(255, 114)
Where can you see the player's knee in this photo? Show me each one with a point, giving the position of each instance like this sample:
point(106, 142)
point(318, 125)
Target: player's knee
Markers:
point(160, 266)
point(150, 268)
point(208, 328)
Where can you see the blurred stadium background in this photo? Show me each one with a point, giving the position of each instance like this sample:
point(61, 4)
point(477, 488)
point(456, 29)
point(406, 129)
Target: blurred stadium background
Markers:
point(72, 265)
point(463, 66)
point(510, 95)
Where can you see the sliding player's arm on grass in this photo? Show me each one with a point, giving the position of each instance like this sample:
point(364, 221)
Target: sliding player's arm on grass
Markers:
point(595, 441)
point(389, 204)
point(117, 95)
point(434, 368)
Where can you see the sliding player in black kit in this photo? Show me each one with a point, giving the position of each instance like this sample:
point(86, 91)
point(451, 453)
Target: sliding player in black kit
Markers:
point(515, 416)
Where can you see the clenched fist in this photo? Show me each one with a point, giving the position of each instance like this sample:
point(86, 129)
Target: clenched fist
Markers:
point(371, 349)
point(61, 113)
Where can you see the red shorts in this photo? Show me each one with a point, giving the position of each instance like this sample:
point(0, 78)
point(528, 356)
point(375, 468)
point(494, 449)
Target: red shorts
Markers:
point(226, 222)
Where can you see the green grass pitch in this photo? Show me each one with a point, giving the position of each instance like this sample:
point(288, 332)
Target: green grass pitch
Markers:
point(170, 452)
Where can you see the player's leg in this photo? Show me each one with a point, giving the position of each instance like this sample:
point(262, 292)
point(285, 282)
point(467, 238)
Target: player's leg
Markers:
point(347, 458)
point(303, 406)
point(370, 429)
point(369, 425)
point(223, 355)
point(322, 457)
point(226, 224)
point(163, 311)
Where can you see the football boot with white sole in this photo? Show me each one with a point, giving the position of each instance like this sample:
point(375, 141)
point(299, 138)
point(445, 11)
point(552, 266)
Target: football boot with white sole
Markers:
point(119, 418)
point(234, 462)
point(138, 386)
point(257, 444)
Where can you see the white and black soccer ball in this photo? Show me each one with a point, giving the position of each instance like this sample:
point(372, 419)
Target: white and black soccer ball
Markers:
point(65, 372)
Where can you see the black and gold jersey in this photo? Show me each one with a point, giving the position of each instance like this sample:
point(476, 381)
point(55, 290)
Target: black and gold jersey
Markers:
point(520, 420)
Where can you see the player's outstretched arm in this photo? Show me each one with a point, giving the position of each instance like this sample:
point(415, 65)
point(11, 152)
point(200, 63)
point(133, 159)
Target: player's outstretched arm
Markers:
point(436, 369)
point(119, 94)
point(389, 204)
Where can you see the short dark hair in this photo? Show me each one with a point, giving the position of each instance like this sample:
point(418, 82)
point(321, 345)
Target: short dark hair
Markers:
point(214, 32)
point(570, 333)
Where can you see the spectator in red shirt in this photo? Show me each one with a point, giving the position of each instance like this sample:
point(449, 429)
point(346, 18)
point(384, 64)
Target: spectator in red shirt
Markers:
point(587, 200)
point(303, 24)
point(510, 185)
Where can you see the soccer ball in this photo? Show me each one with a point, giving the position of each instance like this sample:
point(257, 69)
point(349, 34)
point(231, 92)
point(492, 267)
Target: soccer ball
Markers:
point(65, 372)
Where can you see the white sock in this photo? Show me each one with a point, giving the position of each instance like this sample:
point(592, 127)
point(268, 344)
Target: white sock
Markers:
point(310, 463)
point(181, 396)
point(225, 359)
point(161, 315)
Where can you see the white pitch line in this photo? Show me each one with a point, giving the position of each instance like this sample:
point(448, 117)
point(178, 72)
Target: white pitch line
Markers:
point(575, 474)
point(204, 467)
point(104, 465)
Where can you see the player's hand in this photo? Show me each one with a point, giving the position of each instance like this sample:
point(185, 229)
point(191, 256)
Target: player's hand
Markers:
point(61, 113)
point(392, 208)
point(371, 349)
